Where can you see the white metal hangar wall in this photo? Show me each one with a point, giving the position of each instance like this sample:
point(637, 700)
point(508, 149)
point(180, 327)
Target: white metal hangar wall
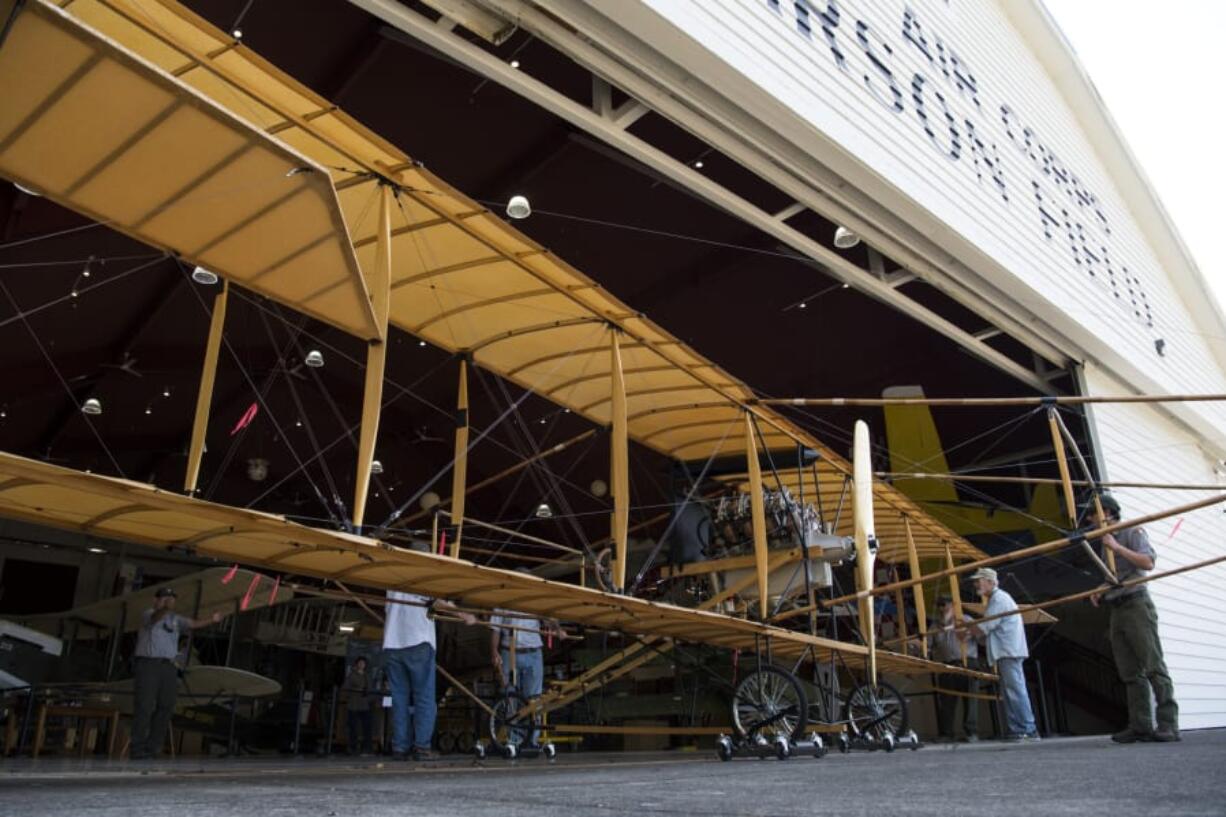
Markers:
point(966, 140)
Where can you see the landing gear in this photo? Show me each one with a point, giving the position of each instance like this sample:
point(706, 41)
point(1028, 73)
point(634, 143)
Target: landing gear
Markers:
point(513, 734)
point(769, 701)
point(873, 712)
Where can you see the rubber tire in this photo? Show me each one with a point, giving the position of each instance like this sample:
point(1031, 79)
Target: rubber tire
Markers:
point(781, 675)
point(723, 748)
point(510, 700)
point(900, 728)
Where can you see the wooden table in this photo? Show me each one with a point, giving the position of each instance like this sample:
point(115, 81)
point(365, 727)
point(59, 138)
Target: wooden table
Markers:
point(82, 714)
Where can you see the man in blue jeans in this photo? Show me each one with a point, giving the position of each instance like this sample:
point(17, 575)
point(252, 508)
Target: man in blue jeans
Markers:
point(409, 641)
point(529, 668)
point(1006, 645)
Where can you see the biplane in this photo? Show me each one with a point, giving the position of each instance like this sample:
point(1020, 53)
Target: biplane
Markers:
point(247, 174)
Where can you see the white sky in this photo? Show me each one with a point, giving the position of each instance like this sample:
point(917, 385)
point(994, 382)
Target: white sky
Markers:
point(1159, 67)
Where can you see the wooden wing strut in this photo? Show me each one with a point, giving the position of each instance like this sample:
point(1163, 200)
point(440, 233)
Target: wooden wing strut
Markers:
point(208, 375)
point(376, 355)
point(459, 473)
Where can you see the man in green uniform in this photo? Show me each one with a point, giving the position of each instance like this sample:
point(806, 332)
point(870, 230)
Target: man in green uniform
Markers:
point(1134, 635)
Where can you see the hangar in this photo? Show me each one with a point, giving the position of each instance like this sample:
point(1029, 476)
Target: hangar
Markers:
point(763, 201)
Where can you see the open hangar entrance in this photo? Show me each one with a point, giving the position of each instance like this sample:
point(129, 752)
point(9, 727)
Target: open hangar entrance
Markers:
point(93, 315)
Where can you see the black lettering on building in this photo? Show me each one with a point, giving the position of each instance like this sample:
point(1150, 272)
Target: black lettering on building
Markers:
point(894, 100)
point(988, 156)
point(954, 149)
point(944, 59)
point(829, 22)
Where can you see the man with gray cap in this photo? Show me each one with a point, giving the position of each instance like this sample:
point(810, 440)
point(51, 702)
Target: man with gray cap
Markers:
point(1006, 646)
point(155, 676)
point(1134, 635)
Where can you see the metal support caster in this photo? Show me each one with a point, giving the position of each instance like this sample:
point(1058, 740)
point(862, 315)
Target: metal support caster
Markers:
point(910, 740)
point(889, 742)
point(843, 743)
point(723, 748)
point(510, 751)
point(549, 751)
point(819, 745)
point(783, 747)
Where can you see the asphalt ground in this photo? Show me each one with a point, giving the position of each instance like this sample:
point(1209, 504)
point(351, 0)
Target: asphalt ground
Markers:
point(1069, 776)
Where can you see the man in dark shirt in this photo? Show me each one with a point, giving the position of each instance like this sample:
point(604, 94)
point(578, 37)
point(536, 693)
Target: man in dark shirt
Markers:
point(155, 675)
point(357, 707)
point(1134, 635)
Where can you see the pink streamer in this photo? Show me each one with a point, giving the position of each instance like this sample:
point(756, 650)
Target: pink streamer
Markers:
point(255, 582)
point(246, 419)
point(229, 577)
point(272, 596)
point(442, 543)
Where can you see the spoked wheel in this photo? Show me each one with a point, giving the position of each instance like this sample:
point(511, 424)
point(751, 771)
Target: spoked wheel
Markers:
point(507, 728)
point(768, 702)
point(876, 711)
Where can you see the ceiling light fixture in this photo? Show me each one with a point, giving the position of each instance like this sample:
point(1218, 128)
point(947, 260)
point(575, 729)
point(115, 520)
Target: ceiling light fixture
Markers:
point(802, 305)
point(238, 33)
point(421, 343)
point(166, 391)
point(346, 628)
point(543, 511)
point(203, 276)
point(97, 550)
point(314, 359)
point(845, 239)
point(515, 64)
point(92, 406)
point(88, 263)
point(148, 410)
point(698, 164)
point(518, 207)
point(846, 286)
point(376, 467)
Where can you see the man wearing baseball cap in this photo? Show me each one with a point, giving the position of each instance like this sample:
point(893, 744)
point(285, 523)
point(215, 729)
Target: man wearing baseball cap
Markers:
point(1006, 645)
point(154, 672)
point(1134, 635)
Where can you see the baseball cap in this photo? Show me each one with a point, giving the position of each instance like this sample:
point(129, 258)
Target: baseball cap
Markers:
point(163, 592)
point(984, 573)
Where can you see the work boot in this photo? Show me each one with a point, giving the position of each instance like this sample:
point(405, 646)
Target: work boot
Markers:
point(1129, 735)
point(425, 754)
point(1166, 734)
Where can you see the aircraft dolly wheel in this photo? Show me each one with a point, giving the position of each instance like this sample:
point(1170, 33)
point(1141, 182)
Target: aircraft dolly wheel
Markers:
point(819, 745)
point(510, 751)
point(888, 742)
point(723, 748)
point(479, 750)
point(913, 741)
point(843, 743)
point(783, 747)
point(549, 751)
